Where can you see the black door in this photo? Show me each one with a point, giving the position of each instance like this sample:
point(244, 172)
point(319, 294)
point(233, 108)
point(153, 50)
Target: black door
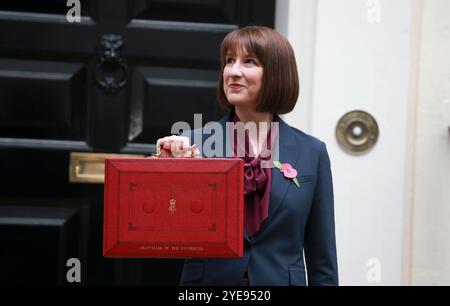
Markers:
point(112, 83)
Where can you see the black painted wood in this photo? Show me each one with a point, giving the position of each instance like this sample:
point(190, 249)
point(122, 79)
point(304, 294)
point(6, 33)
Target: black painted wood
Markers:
point(51, 104)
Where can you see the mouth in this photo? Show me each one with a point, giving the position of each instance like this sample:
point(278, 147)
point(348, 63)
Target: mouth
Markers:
point(236, 86)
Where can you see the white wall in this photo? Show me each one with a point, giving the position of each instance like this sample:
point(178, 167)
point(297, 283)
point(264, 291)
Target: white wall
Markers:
point(348, 63)
point(430, 243)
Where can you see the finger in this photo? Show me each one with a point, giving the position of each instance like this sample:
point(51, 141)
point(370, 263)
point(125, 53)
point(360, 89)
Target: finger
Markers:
point(165, 154)
point(166, 145)
point(179, 146)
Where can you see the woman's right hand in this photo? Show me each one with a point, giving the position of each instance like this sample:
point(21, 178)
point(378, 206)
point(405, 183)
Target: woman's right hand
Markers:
point(175, 146)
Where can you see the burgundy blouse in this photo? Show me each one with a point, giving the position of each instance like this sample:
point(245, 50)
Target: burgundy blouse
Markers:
point(257, 183)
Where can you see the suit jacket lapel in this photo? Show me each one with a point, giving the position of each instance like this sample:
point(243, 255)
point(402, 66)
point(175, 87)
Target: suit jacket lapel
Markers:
point(288, 152)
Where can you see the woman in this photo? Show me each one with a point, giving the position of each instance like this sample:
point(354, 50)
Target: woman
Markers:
point(289, 219)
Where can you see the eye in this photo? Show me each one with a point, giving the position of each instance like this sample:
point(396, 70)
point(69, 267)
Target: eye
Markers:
point(229, 60)
point(251, 60)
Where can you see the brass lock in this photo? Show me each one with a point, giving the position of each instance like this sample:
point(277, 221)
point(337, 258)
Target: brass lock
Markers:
point(357, 132)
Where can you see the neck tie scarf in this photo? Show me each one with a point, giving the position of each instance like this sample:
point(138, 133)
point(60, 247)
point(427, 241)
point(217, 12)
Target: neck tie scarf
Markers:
point(257, 183)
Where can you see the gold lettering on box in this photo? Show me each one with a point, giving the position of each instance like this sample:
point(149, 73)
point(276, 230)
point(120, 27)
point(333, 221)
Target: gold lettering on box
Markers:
point(151, 247)
point(192, 248)
point(172, 248)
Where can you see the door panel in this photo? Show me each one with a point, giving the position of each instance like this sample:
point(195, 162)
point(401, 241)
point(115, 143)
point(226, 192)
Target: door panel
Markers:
point(57, 7)
point(51, 34)
point(183, 45)
point(42, 99)
point(38, 237)
point(157, 93)
point(206, 11)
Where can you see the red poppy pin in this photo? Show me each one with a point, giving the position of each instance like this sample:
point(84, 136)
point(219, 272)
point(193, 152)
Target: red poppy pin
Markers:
point(288, 171)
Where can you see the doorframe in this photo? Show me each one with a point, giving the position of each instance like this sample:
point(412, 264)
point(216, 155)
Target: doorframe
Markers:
point(410, 169)
point(296, 19)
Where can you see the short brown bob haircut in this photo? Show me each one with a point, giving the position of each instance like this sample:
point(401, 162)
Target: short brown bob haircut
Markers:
point(280, 84)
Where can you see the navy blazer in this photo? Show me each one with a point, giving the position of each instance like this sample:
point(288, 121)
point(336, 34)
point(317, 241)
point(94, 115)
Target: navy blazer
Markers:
point(299, 230)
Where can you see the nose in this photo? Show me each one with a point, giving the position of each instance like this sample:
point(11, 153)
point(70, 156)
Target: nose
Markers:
point(236, 69)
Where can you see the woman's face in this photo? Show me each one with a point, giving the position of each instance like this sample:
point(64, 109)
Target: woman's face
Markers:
point(242, 78)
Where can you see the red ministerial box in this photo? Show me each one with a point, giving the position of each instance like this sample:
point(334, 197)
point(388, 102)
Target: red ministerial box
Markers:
point(173, 208)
